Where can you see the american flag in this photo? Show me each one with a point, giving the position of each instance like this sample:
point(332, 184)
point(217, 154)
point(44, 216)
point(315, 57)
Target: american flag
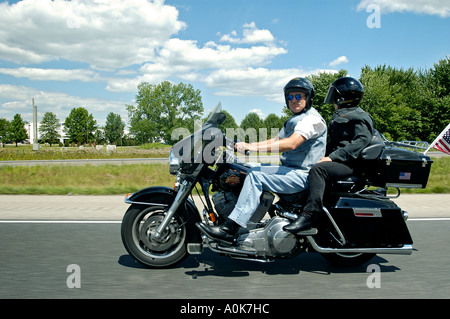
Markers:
point(442, 142)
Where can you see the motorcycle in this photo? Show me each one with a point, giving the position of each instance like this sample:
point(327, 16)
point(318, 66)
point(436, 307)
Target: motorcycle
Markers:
point(359, 218)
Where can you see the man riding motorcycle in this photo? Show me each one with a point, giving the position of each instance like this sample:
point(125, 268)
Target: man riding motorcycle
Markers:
point(302, 141)
point(350, 131)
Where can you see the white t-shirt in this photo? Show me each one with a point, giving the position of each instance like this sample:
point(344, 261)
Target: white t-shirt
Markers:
point(310, 126)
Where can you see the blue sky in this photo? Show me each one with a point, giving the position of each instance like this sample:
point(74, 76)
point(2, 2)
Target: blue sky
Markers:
point(93, 53)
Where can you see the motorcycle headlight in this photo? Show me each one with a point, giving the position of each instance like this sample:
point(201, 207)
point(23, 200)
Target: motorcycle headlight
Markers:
point(174, 163)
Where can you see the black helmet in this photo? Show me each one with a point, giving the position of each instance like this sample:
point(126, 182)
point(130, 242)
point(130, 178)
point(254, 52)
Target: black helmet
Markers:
point(300, 85)
point(345, 92)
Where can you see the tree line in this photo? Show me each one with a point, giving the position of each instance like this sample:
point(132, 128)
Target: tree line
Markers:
point(406, 104)
point(80, 127)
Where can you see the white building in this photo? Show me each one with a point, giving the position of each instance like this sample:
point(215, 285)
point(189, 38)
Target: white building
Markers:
point(61, 131)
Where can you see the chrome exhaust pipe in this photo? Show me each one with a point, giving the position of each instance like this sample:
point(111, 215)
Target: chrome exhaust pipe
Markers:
point(404, 250)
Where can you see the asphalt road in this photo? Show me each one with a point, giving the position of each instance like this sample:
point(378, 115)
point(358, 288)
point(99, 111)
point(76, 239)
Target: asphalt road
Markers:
point(49, 243)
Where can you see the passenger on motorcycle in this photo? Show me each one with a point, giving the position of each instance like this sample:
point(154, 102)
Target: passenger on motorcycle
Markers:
point(302, 141)
point(350, 131)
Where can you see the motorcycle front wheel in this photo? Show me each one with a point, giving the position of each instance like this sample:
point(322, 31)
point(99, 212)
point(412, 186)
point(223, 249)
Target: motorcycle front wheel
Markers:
point(138, 228)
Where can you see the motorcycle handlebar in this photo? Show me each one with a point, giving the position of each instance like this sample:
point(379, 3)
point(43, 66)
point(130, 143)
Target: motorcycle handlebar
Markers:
point(232, 144)
point(246, 152)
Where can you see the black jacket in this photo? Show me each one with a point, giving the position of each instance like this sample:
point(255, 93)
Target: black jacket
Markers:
point(350, 131)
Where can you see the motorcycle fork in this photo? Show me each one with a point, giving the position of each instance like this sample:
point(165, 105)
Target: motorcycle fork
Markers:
point(182, 194)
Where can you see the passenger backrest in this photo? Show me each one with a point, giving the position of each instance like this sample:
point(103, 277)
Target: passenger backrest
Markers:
point(374, 149)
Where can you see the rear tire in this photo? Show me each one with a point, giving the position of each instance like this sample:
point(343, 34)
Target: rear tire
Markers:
point(138, 227)
point(348, 259)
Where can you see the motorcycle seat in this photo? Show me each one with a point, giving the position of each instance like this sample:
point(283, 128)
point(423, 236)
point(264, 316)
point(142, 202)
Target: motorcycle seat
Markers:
point(293, 198)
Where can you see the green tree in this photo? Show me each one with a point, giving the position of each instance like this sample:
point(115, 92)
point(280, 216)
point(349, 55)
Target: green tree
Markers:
point(162, 108)
point(99, 136)
point(229, 124)
point(80, 126)
point(392, 97)
point(250, 126)
point(434, 99)
point(49, 128)
point(4, 131)
point(113, 128)
point(273, 124)
point(17, 131)
point(321, 83)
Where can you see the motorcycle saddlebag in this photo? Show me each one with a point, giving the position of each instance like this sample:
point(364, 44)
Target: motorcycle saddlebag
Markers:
point(397, 167)
point(373, 227)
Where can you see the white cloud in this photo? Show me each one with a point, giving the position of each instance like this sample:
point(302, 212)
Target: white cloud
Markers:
point(37, 74)
point(256, 81)
point(133, 42)
point(259, 112)
point(212, 55)
point(186, 60)
point(105, 34)
point(430, 7)
point(115, 34)
point(59, 103)
point(340, 60)
point(251, 35)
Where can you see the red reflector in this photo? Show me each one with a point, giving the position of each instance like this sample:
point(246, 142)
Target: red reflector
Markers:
point(364, 215)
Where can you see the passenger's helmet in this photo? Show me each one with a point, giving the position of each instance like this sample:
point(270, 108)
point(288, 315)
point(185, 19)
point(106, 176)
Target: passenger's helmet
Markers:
point(345, 92)
point(300, 85)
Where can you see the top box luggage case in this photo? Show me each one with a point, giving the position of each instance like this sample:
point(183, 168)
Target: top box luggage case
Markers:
point(399, 168)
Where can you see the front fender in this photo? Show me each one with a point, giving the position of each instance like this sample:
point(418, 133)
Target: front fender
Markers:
point(147, 196)
point(164, 196)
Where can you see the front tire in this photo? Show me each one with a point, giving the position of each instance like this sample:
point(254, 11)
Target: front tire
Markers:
point(138, 227)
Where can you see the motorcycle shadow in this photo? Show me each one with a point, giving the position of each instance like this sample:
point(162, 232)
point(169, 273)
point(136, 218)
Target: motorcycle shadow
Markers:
point(211, 264)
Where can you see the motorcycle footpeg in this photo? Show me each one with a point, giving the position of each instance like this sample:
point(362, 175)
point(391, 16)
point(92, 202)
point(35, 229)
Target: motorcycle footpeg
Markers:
point(195, 248)
point(307, 232)
point(217, 240)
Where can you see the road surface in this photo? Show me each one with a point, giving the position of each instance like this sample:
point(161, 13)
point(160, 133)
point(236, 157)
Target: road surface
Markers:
point(70, 247)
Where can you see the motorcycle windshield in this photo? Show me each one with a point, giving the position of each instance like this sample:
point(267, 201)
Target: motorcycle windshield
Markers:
point(187, 154)
point(216, 117)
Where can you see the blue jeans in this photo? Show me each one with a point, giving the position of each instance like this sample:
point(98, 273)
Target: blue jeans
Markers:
point(277, 179)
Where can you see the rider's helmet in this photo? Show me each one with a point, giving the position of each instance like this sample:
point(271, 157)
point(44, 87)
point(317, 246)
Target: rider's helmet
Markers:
point(300, 85)
point(345, 92)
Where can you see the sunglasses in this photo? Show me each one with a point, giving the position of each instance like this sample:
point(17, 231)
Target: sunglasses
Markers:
point(298, 97)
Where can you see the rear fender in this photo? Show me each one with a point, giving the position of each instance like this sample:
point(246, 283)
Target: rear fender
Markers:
point(164, 196)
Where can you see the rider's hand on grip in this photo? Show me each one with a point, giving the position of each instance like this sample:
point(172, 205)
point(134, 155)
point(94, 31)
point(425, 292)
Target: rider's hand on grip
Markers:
point(240, 149)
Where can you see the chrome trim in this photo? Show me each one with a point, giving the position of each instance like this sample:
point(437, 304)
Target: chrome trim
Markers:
point(127, 201)
point(405, 215)
point(404, 250)
point(232, 250)
point(403, 185)
point(342, 240)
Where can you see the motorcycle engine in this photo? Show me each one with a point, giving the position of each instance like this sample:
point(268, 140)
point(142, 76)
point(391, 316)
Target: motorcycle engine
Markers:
point(270, 240)
point(266, 239)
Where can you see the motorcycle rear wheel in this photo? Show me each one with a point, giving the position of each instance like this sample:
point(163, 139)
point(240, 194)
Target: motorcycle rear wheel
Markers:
point(138, 227)
point(348, 259)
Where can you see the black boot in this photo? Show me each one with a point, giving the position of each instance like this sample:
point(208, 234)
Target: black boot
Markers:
point(302, 223)
point(225, 232)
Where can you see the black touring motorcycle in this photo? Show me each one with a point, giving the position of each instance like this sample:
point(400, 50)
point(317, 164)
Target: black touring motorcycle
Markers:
point(359, 219)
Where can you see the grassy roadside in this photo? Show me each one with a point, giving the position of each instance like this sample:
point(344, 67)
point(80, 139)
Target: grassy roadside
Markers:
point(82, 180)
point(122, 179)
point(25, 152)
